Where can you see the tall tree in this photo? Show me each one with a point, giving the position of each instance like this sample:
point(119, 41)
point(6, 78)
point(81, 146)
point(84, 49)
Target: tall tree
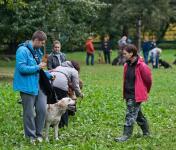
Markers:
point(153, 14)
point(68, 20)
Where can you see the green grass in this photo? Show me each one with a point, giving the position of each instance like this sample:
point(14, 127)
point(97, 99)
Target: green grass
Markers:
point(100, 115)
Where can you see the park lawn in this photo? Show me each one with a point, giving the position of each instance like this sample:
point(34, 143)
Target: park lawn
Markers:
point(100, 115)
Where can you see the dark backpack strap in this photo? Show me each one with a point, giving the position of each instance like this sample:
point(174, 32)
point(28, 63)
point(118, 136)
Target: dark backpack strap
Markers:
point(45, 84)
point(32, 54)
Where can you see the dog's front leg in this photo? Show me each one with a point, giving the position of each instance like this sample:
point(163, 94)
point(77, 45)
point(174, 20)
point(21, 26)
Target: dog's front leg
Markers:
point(47, 132)
point(56, 131)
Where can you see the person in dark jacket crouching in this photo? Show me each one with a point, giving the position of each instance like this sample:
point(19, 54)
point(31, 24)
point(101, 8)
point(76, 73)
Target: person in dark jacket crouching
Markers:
point(137, 84)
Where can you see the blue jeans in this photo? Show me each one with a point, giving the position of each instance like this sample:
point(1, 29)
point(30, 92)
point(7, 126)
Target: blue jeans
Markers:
point(154, 60)
point(92, 58)
point(146, 53)
point(107, 57)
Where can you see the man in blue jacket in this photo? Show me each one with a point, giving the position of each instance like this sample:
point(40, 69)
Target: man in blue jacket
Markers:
point(146, 47)
point(26, 81)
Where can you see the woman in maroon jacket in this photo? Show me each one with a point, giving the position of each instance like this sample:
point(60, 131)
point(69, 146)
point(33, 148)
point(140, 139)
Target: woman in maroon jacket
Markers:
point(90, 51)
point(136, 86)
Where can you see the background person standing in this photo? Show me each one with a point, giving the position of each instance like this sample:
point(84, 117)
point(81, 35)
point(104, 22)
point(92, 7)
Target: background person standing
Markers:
point(90, 51)
point(106, 47)
point(146, 47)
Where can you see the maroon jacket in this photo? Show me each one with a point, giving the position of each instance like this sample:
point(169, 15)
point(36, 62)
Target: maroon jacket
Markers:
point(143, 80)
point(89, 47)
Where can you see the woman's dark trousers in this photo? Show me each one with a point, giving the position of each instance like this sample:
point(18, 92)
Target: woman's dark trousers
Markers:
point(107, 57)
point(61, 94)
point(133, 113)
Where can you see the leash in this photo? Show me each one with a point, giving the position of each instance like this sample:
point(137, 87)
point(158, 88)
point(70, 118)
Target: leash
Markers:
point(54, 92)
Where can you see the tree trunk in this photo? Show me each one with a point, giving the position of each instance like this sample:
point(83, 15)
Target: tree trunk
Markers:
point(125, 30)
point(139, 34)
point(11, 48)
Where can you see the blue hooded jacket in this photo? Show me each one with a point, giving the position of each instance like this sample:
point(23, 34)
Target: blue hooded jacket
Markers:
point(26, 75)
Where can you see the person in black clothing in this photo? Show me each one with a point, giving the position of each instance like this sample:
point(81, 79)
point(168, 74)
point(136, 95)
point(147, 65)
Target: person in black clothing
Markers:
point(146, 47)
point(56, 58)
point(106, 47)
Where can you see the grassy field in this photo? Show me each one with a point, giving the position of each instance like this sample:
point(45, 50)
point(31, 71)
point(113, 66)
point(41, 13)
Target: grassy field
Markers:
point(100, 115)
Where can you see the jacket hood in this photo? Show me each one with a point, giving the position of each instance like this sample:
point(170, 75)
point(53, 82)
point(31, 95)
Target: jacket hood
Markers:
point(26, 43)
point(140, 60)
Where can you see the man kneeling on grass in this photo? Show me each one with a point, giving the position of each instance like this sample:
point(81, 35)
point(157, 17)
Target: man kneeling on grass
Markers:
point(137, 84)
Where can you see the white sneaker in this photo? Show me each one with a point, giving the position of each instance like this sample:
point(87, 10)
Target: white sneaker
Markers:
point(40, 139)
point(32, 141)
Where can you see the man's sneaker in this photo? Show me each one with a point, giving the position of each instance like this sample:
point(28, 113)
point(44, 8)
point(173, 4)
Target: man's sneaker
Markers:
point(32, 141)
point(40, 139)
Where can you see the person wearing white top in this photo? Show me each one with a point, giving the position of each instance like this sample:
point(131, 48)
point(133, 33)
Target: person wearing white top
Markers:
point(154, 56)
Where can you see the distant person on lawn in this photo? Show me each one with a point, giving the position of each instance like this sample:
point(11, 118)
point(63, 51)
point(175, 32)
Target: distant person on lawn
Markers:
point(90, 51)
point(154, 56)
point(106, 47)
point(121, 44)
point(137, 84)
point(146, 47)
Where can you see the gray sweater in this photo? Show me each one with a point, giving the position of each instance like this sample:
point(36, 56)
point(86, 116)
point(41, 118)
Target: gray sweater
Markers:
point(61, 80)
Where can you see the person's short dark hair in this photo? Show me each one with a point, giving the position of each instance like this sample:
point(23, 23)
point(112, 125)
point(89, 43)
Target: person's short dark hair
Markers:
point(40, 35)
point(76, 65)
point(130, 48)
point(56, 42)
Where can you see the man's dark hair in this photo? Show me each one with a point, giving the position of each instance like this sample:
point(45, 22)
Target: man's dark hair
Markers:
point(40, 35)
point(130, 48)
point(76, 65)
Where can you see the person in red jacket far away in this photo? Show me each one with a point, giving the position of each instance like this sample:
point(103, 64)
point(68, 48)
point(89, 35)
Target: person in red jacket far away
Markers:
point(90, 51)
point(136, 86)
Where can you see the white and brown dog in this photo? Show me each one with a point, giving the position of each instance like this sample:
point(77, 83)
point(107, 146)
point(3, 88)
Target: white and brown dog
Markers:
point(54, 113)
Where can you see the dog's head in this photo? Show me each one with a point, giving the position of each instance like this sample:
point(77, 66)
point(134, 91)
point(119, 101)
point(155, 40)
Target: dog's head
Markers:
point(160, 61)
point(66, 103)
